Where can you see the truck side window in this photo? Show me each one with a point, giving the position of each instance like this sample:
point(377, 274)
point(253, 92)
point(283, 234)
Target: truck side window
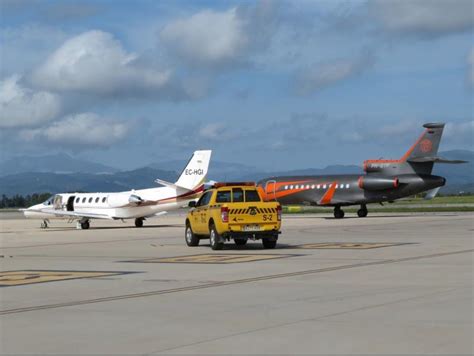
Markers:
point(223, 196)
point(251, 195)
point(238, 195)
point(204, 199)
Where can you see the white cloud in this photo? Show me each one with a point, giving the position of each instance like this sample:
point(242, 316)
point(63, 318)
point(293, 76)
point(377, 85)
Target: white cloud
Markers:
point(95, 62)
point(219, 38)
point(460, 133)
point(82, 130)
point(424, 17)
point(207, 36)
point(325, 74)
point(22, 107)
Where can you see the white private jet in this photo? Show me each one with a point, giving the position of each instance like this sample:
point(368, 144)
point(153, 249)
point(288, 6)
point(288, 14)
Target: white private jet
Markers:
point(134, 204)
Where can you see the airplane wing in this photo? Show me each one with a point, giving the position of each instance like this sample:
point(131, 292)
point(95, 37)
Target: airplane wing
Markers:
point(157, 214)
point(72, 214)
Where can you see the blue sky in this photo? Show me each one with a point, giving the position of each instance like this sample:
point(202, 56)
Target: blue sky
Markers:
point(276, 84)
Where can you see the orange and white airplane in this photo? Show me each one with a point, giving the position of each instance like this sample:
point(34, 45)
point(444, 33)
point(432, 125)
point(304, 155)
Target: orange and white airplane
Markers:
point(133, 204)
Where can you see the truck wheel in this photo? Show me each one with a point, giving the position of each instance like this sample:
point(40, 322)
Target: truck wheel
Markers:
point(240, 242)
point(190, 237)
point(267, 243)
point(215, 239)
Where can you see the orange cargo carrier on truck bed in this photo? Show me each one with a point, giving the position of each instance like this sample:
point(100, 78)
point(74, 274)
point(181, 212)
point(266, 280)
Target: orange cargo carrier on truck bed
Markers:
point(233, 211)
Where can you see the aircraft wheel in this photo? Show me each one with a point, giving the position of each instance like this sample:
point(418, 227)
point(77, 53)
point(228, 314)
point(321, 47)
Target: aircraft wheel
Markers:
point(139, 222)
point(85, 225)
point(190, 237)
point(240, 242)
point(362, 213)
point(215, 239)
point(338, 213)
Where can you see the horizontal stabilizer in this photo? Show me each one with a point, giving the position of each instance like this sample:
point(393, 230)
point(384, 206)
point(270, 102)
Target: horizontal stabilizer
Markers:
point(169, 185)
point(435, 160)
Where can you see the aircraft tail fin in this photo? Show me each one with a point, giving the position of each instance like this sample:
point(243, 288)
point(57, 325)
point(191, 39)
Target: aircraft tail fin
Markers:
point(194, 174)
point(427, 144)
point(419, 159)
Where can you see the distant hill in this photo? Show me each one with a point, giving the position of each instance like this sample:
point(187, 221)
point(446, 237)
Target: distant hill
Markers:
point(460, 177)
point(58, 163)
point(29, 183)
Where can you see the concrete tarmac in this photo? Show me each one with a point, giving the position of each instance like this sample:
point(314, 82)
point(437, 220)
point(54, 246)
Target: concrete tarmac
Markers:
point(385, 284)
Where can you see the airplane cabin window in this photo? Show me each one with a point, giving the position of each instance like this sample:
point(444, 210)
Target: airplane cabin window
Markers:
point(90, 200)
point(77, 200)
point(97, 199)
point(84, 199)
point(104, 199)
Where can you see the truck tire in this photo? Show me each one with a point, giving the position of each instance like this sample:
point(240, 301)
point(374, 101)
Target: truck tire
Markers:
point(269, 243)
point(240, 242)
point(189, 236)
point(214, 238)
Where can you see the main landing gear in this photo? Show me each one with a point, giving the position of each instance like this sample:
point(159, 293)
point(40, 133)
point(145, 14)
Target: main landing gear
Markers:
point(362, 212)
point(338, 212)
point(139, 222)
point(44, 224)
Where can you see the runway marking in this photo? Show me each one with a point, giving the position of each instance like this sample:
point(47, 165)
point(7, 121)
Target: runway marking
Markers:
point(19, 278)
point(350, 245)
point(214, 258)
point(224, 283)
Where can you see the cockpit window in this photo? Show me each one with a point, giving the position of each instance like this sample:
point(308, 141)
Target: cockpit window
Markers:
point(49, 201)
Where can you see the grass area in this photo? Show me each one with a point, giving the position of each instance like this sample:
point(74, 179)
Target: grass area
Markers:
point(427, 209)
point(416, 205)
point(466, 199)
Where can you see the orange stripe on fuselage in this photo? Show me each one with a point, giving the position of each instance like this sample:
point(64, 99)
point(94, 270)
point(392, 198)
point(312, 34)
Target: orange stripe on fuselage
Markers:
point(327, 197)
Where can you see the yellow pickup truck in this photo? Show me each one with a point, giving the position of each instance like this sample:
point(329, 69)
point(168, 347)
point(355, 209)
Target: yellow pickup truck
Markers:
point(233, 211)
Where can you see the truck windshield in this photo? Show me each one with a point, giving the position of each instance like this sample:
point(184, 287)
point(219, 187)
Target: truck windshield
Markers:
point(224, 196)
point(251, 195)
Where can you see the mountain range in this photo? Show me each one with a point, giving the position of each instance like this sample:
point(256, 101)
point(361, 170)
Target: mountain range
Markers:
point(63, 173)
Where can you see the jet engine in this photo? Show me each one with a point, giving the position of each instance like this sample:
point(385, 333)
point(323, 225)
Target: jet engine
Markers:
point(120, 200)
point(377, 183)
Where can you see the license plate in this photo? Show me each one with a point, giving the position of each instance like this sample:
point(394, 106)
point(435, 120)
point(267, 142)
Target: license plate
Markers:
point(251, 228)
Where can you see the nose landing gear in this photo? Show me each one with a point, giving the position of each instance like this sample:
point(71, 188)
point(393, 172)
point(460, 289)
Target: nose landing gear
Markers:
point(83, 224)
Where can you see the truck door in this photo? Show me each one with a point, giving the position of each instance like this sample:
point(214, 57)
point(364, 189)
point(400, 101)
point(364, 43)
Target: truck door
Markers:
point(270, 187)
point(70, 203)
point(200, 214)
